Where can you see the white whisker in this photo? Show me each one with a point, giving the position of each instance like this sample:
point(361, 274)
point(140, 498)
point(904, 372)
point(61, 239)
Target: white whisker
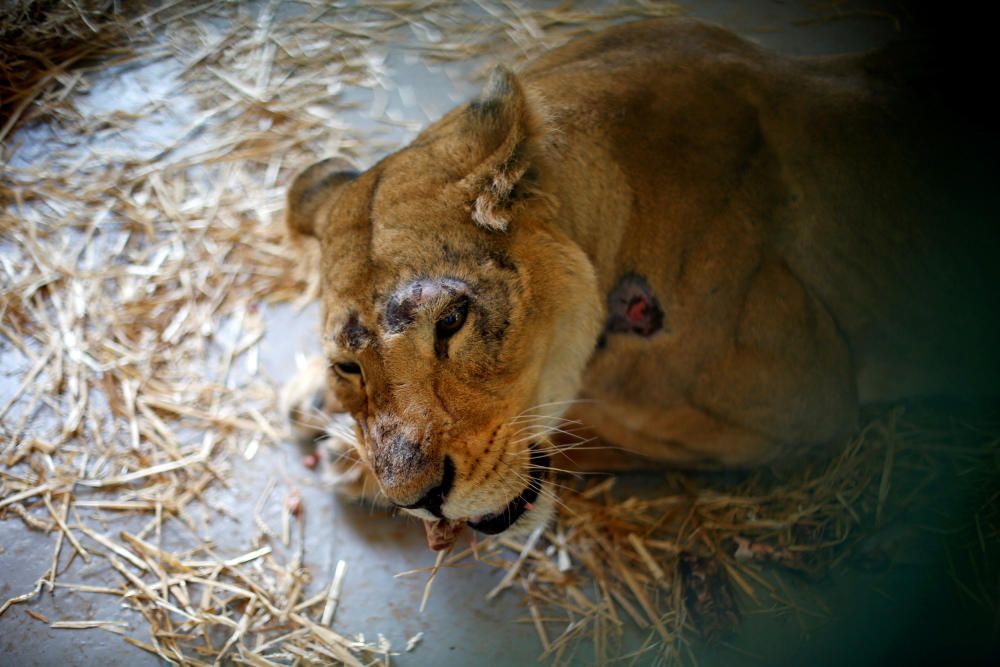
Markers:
point(541, 488)
point(546, 432)
point(544, 427)
point(541, 418)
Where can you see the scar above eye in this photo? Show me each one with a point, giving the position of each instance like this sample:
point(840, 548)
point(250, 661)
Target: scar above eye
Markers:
point(354, 335)
point(402, 306)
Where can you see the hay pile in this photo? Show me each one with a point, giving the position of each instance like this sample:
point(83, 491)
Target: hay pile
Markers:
point(675, 560)
point(139, 245)
point(45, 42)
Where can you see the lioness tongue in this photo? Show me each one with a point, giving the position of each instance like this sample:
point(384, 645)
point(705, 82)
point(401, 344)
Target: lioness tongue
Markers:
point(441, 534)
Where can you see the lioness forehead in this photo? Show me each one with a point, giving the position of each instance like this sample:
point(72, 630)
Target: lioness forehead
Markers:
point(403, 247)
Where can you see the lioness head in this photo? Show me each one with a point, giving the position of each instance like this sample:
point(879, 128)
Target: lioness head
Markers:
point(457, 317)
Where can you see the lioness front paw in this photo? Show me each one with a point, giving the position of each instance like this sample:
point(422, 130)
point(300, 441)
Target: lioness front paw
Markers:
point(317, 420)
point(307, 402)
point(350, 475)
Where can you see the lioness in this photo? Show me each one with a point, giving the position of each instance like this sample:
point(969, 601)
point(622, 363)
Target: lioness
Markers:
point(705, 253)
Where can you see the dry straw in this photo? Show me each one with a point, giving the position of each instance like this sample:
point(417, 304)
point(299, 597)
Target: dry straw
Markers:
point(676, 561)
point(134, 261)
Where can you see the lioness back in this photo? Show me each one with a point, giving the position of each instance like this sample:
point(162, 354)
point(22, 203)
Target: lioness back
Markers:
point(810, 227)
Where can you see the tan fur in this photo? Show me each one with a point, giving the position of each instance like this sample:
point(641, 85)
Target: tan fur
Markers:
point(779, 210)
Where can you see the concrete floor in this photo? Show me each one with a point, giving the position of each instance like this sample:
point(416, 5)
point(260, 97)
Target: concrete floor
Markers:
point(874, 618)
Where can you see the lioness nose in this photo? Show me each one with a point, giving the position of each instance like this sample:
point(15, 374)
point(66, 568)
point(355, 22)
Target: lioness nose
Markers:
point(432, 499)
point(411, 476)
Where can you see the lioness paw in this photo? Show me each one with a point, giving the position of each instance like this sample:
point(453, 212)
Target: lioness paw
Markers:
point(317, 420)
point(351, 477)
point(307, 402)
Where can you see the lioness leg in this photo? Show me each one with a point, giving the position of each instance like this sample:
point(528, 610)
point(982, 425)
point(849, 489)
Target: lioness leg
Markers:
point(307, 402)
point(316, 419)
point(352, 478)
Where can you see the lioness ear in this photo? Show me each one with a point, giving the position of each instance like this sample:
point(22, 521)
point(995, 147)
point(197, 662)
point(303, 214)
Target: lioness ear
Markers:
point(502, 125)
point(310, 190)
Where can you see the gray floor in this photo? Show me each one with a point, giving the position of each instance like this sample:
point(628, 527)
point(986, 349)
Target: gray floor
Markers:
point(459, 626)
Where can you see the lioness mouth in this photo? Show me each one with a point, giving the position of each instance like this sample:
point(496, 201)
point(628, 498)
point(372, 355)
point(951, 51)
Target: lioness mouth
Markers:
point(499, 521)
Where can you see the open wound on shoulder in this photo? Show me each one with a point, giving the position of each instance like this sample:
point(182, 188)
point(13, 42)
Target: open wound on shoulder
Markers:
point(632, 309)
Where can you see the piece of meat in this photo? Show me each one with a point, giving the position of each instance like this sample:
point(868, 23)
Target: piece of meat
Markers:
point(442, 534)
point(293, 502)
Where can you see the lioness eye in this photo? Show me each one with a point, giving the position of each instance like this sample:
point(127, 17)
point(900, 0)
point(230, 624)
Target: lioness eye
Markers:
point(452, 321)
point(347, 368)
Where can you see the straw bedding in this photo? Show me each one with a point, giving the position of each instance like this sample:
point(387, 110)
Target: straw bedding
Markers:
point(138, 247)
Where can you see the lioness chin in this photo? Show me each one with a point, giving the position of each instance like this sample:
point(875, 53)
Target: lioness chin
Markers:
point(660, 240)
